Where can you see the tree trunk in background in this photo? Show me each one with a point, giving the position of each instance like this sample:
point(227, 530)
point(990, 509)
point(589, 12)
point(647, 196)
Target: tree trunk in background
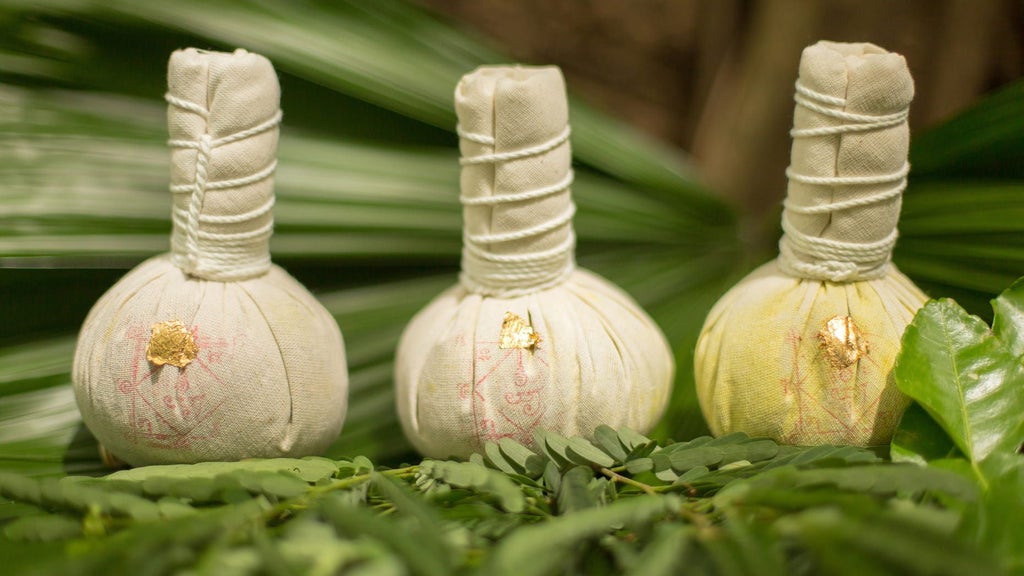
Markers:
point(963, 56)
point(715, 77)
point(743, 134)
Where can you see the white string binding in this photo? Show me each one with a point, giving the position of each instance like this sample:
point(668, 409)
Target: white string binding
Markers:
point(229, 218)
point(857, 202)
point(478, 138)
point(511, 275)
point(551, 190)
point(232, 183)
point(221, 256)
point(514, 154)
point(536, 230)
point(818, 258)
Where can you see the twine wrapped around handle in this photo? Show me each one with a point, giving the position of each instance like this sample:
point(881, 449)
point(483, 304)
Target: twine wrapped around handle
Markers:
point(223, 115)
point(848, 164)
point(516, 178)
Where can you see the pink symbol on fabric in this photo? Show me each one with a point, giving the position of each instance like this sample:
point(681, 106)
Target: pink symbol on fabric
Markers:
point(528, 399)
point(170, 413)
point(844, 410)
point(508, 392)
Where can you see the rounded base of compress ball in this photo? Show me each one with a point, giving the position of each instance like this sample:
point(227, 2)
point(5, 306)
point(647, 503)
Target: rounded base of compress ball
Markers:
point(473, 369)
point(805, 362)
point(174, 369)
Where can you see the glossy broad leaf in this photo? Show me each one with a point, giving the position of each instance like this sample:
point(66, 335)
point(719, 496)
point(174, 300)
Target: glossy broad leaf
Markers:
point(995, 523)
point(919, 439)
point(965, 377)
point(1008, 324)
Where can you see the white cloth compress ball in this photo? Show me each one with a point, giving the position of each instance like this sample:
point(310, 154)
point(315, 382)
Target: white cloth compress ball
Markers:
point(802, 349)
point(526, 340)
point(211, 352)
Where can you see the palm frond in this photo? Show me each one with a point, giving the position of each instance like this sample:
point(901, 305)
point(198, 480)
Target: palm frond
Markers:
point(963, 212)
point(368, 186)
point(73, 192)
point(394, 55)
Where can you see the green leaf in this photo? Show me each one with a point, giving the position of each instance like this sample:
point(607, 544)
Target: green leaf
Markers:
point(574, 492)
point(765, 508)
point(663, 469)
point(309, 546)
point(540, 549)
point(283, 484)
point(474, 476)
point(165, 547)
point(638, 465)
point(873, 479)
point(745, 547)
point(554, 446)
point(529, 462)
point(1008, 323)
point(706, 451)
point(724, 556)
point(965, 377)
point(418, 542)
point(666, 553)
point(895, 539)
point(608, 439)
point(20, 488)
point(994, 524)
point(76, 494)
point(311, 469)
point(43, 528)
point(683, 460)
point(581, 451)
point(632, 441)
point(174, 508)
point(826, 455)
point(919, 439)
point(552, 476)
point(497, 459)
point(693, 474)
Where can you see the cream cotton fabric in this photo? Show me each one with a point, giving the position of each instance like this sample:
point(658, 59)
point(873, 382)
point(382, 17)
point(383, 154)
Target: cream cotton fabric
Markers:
point(766, 362)
point(600, 358)
point(270, 375)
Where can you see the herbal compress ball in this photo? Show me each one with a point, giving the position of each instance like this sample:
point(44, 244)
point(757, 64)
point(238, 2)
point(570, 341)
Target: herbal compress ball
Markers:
point(802, 349)
point(526, 340)
point(211, 352)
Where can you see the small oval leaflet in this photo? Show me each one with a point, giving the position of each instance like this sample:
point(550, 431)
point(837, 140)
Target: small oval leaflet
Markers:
point(171, 343)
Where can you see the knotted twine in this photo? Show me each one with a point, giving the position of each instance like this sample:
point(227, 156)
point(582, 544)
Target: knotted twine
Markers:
point(224, 153)
point(849, 168)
